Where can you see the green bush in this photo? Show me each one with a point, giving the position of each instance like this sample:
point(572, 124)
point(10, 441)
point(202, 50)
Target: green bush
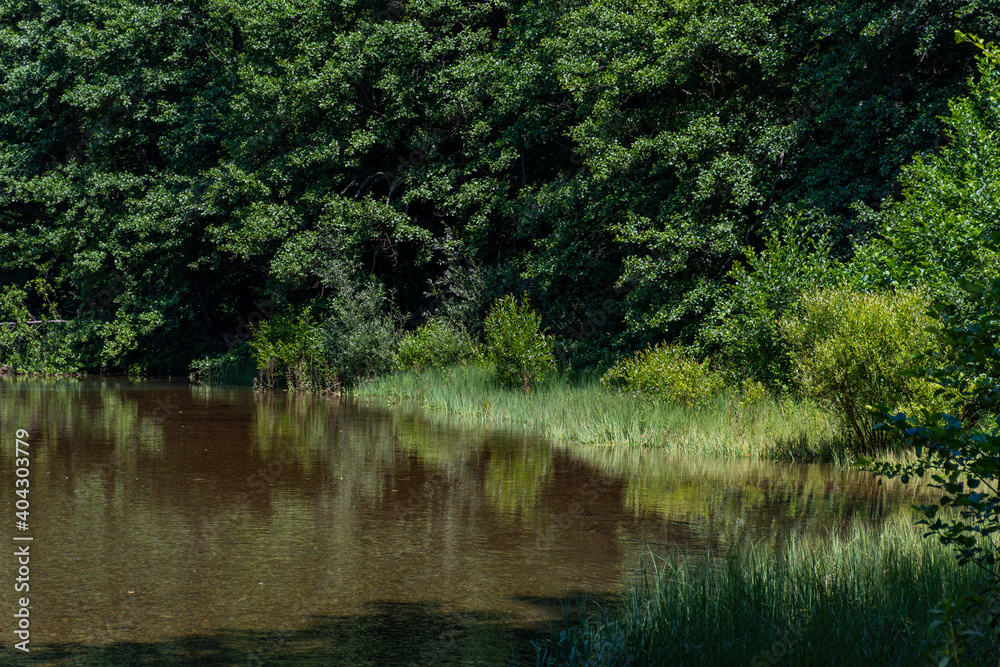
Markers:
point(435, 344)
point(852, 349)
point(521, 353)
point(291, 347)
point(961, 458)
point(744, 324)
point(362, 331)
point(666, 373)
point(357, 339)
point(960, 452)
point(934, 236)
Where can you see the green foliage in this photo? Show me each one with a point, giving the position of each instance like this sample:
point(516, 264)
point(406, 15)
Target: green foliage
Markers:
point(362, 329)
point(666, 373)
point(33, 343)
point(961, 624)
point(291, 348)
point(744, 326)
point(233, 367)
point(435, 344)
point(960, 452)
point(851, 349)
point(19, 344)
point(585, 152)
point(464, 291)
point(962, 460)
point(933, 235)
point(519, 351)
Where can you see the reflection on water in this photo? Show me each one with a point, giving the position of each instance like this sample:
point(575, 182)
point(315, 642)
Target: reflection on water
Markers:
point(175, 524)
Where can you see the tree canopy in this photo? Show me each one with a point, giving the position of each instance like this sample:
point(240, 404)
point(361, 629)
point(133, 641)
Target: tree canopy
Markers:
point(200, 156)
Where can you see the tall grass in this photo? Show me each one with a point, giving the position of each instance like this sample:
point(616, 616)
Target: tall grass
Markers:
point(866, 599)
point(577, 408)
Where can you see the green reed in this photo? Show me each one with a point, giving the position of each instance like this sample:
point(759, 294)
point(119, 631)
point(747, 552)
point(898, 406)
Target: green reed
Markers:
point(577, 408)
point(867, 598)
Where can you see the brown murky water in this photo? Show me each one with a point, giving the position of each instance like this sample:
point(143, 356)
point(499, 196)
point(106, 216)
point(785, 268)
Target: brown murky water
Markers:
point(176, 524)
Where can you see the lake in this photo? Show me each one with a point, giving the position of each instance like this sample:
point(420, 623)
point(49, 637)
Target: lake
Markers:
point(180, 524)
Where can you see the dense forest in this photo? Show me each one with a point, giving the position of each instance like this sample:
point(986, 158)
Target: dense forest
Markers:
point(174, 176)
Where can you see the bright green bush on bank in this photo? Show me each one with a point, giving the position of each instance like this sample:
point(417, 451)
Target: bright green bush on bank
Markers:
point(744, 327)
point(292, 349)
point(666, 373)
point(519, 351)
point(867, 599)
point(852, 349)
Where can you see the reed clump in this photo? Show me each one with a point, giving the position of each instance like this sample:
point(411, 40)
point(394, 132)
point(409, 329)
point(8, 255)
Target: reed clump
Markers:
point(870, 597)
point(736, 422)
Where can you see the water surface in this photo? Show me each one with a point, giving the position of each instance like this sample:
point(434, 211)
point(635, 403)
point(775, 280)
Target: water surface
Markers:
point(176, 524)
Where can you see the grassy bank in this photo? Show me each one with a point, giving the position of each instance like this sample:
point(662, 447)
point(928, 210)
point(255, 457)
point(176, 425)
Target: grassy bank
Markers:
point(866, 599)
point(577, 408)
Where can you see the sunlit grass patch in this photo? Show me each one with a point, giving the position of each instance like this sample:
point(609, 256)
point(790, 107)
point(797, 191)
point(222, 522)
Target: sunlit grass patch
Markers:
point(577, 408)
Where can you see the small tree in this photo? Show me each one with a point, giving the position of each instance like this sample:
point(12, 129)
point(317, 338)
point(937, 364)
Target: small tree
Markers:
point(436, 344)
point(516, 347)
point(291, 346)
point(850, 350)
point(666, 373)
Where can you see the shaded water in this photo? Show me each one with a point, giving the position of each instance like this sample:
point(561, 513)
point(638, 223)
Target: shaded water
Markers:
point(181, 524)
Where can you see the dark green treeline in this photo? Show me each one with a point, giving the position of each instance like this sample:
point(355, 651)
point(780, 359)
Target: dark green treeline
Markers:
point(169, 168)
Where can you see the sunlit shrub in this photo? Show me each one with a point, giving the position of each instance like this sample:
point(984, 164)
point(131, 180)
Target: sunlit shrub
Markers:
point(516, 347)
point(743, 326)
point(666, 373)
point(852, 349)
point(435, 344)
